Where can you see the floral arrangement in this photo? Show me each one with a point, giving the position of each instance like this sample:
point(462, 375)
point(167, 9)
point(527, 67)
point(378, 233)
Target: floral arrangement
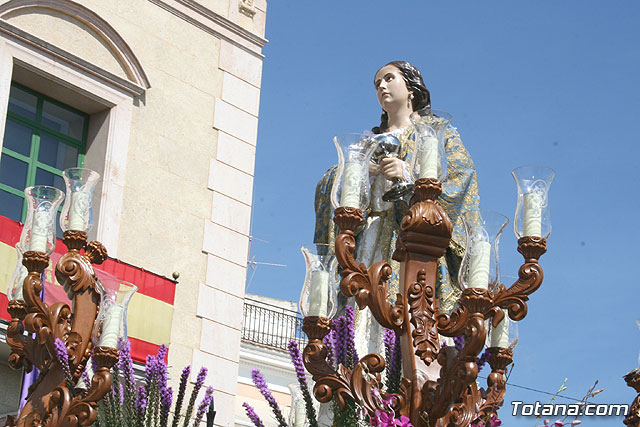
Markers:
point(341, 348)
point(148, 404)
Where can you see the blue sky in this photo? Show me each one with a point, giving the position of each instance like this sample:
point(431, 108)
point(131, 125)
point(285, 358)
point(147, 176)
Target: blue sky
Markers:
point(554, 83)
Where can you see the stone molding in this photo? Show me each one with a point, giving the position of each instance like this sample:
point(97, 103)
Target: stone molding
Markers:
point(107, 33)
point(21, 37)
point(214, 24)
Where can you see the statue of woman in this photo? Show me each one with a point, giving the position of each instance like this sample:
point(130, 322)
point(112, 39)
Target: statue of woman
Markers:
point(400, 91)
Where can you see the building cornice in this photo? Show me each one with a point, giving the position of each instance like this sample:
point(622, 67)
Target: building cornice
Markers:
point(214, 24)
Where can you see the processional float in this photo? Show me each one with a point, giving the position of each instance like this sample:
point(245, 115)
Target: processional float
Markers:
point(451, 397)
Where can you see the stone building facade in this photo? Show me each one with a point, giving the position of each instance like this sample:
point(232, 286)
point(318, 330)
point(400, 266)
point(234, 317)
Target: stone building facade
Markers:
point(169, 91)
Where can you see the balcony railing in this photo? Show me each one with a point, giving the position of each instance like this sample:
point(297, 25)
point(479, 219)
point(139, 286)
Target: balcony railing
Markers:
point(271, 326)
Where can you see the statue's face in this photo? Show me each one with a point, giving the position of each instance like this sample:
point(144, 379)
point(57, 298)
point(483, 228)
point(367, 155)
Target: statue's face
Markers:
point(391, 89)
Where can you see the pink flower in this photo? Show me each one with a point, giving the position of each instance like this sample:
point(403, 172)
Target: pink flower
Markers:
point(403, 422)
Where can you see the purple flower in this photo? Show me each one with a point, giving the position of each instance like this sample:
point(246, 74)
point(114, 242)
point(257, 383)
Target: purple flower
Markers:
point(184, 378)
point(204, 404)
point(394, 360)
point(339, 340)
point(141, 404)
point(94, 364)
point(482, 360)
point(259, 381)
point(202, 375)
point(120, 394)
point(459, 342)
point(329, 343)
point(349, 337)
point(63, 358)
point(126, 367)
point(166, 396)
point(251, 413)
point(85, 378)
point(296, 359)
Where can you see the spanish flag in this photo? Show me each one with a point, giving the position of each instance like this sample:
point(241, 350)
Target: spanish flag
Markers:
point(151, 309)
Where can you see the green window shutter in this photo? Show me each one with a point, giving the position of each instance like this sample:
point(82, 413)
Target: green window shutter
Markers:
point(42, 138)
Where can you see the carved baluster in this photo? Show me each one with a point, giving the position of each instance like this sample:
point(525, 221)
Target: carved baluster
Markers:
point(499, 359)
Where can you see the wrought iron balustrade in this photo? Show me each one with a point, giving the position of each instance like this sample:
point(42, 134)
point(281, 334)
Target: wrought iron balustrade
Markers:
point(271, 326)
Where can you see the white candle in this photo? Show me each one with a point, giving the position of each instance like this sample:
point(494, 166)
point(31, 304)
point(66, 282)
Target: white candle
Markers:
point(429, 158)
point(351, 183)
point(300, 413)
point(79, 210)
point(39, 231)
point(479, 265)
point(500, 334)
point(111, 327)
point(319, 293)
point(532, 224)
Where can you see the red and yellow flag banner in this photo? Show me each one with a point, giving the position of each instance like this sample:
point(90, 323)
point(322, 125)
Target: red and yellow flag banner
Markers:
point(151, 309)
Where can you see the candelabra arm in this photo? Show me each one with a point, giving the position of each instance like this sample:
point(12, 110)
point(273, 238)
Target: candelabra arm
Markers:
point(47, 323)
point(369, 287)
point(530, 277)
point(15, 336)
point(75, 273)
point(361, 385)
point(66, 410)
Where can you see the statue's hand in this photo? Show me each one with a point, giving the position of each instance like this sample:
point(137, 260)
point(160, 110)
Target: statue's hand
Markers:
point(392, 168)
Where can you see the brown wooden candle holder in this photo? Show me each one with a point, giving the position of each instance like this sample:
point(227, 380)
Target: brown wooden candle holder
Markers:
point(50, 400)
point(453, 398)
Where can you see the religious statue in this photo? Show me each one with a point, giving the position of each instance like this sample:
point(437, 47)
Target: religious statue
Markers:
point(401, 91)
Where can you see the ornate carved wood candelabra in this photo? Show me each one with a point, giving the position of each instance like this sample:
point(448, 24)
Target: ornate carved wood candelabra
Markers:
point(51, 400)
point(453, 398)
point(633, 417)
point(54, 398)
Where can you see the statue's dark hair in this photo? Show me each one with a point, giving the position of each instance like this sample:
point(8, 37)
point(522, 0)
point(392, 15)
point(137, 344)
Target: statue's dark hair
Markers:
point(415, 84)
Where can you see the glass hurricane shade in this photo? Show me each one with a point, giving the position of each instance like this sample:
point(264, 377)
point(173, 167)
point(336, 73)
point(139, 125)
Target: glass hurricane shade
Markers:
point(318, 296)
point(532, 216)
point(38, 233)
point(77, 213)
point(110, 328)
point(505, 335)
point(480, 267)
point(14, 290)
point(430, 159)
point(351, 181)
